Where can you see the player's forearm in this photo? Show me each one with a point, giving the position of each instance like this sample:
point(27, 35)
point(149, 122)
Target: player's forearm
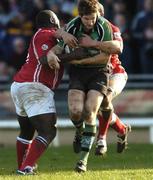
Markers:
point(77, 53)
point(102, 58)
point(65, 58)
point(51, 58)
point(111, 47)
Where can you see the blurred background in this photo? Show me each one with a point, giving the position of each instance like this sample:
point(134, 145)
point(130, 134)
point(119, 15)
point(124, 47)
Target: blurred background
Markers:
point(135, 103)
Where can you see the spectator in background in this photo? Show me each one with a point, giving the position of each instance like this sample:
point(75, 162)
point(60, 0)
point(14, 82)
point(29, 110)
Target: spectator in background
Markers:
point(16, 19)
point(68, 6)
point(19, 53)
point(6, 72)
point(119, 7)
point(140, 4)
point(140, 24)
point(147, 57)
point(108, 4)
point(37, 6)
point(120, 21)
point(8, 10)
point(19, 26)
point(64, 9)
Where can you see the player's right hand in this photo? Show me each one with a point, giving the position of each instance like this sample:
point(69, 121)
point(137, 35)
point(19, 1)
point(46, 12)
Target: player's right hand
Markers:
point(53, 60)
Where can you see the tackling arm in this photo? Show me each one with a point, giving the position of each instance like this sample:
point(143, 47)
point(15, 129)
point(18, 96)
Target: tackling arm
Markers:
point(111, 47)
point(51, 59)
point(101, 58)
point(55, 53)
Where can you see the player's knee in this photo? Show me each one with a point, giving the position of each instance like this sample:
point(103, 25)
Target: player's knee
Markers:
point(75, 114)
point(51, 135)
point(48, 132)
point(27, 134)
point(88, 116)
point(90, 112)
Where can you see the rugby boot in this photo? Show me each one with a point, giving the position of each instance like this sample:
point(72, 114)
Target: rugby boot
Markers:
point(101, 147)
point(81, 167)
point(122, 140)
point(27, 171)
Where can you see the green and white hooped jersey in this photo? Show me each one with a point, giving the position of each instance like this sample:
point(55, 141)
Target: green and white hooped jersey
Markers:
point(101, 32)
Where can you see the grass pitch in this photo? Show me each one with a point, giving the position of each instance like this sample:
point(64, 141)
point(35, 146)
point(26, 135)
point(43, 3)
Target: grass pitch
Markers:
point(136, 163)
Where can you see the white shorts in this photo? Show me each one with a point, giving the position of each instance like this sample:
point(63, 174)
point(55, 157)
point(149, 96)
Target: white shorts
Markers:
point(32, 99)
point(117, 83)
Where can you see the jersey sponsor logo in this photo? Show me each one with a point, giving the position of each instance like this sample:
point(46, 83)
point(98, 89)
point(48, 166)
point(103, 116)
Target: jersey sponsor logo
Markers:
point(44, 47)
point(117, 35)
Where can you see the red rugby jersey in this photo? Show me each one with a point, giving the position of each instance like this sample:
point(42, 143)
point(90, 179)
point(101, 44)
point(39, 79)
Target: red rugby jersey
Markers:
point(117, 68)
point(33, 71)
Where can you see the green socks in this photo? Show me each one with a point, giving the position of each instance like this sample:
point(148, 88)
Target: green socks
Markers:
point(87, 141)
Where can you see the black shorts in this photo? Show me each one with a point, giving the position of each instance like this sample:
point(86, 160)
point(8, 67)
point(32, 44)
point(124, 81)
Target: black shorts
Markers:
point(90, 78)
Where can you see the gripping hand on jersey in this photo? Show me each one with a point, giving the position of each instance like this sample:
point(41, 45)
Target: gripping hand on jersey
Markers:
point(53, 60)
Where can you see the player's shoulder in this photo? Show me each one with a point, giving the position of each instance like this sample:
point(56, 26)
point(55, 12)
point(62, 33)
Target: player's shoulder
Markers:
point(44, 33)
point(101, 20)
point(104, 23)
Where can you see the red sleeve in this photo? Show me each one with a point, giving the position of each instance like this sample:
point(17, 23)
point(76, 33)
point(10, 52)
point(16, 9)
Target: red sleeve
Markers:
point(116, 33)
point(42, 42)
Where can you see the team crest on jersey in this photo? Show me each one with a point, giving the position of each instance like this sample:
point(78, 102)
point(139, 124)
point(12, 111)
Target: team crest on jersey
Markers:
point(44, 47)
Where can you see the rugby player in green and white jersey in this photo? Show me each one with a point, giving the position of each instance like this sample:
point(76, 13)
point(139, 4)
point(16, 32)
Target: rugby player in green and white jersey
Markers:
point(88, 83)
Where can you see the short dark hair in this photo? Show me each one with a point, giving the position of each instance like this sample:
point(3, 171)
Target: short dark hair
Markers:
point(86, 7)
point(47, 18)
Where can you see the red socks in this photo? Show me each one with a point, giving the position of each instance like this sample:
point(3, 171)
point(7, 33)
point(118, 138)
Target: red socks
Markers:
point(22, 146)
point(103, 127)
point(118, 126)
point(37, 148)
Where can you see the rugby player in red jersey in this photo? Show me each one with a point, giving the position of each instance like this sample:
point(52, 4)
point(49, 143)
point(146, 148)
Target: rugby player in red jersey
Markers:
point(33, 93)
point(117, 82)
